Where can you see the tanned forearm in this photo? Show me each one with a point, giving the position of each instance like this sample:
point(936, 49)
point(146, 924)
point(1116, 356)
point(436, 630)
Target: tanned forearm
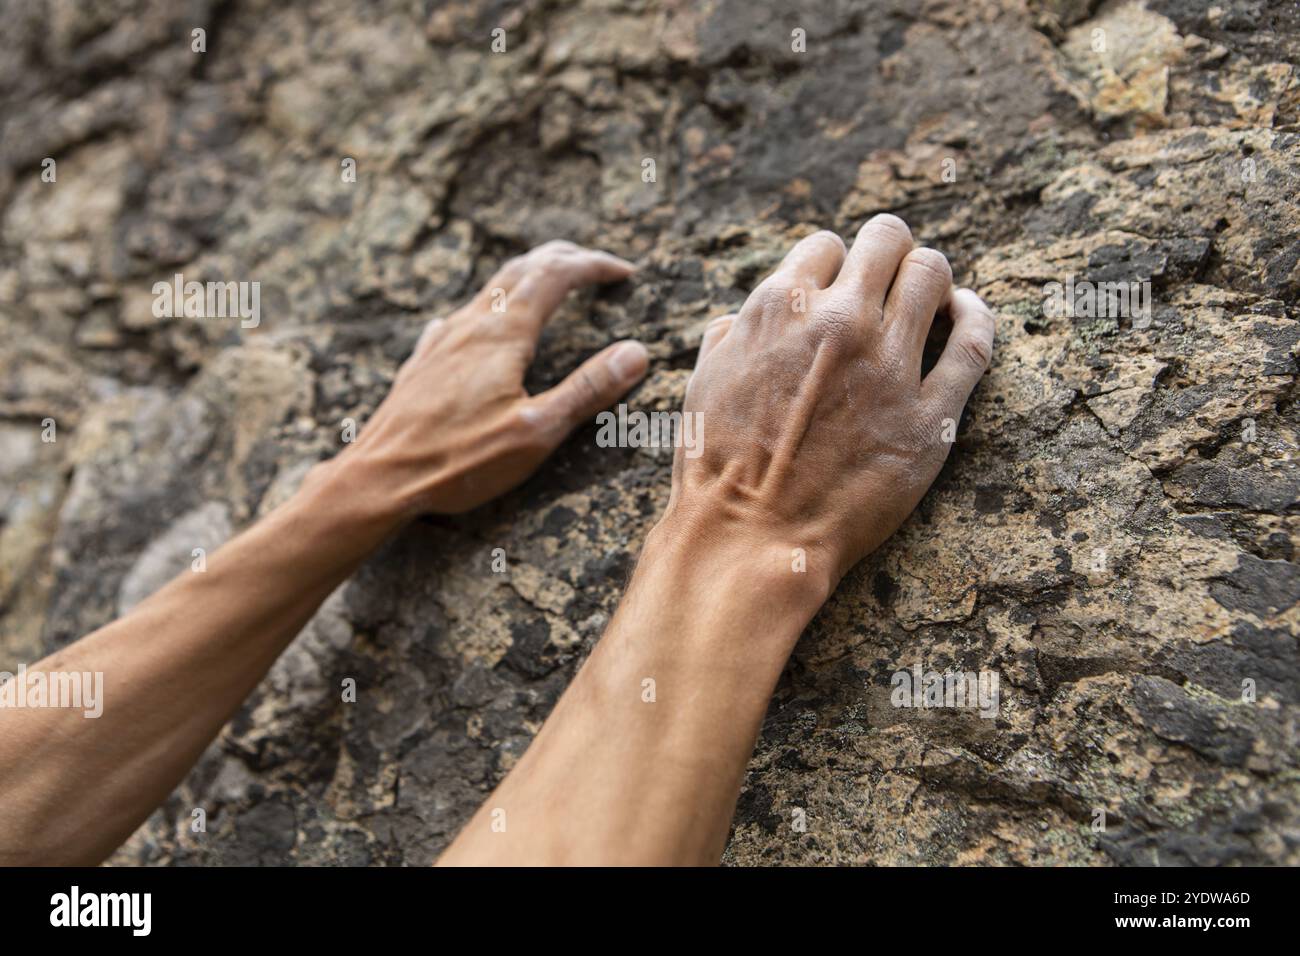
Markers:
point(174, 671)
point(629, 772)
point(820, 433)
point(456, 430)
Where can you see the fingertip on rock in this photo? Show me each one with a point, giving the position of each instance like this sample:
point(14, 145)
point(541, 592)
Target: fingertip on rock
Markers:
point(629, 360)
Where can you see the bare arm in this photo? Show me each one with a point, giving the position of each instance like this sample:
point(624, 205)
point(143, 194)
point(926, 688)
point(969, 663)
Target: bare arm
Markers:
point(820, 437)
point(456, 430)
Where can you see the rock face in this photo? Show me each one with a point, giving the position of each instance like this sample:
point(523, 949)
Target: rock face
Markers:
point(1114, 536)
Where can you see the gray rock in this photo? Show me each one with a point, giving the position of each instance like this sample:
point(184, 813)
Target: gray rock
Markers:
point(1115, 534)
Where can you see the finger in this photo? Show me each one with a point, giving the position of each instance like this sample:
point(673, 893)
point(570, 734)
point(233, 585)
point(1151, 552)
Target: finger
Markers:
point(814, 261)
point(965, 356)
point(549, 278)
point(508, 275)
point(427, 337)
point(871, 264)
point(516, 267)
point(594, 385)
point(714, 333)
point(923, 283)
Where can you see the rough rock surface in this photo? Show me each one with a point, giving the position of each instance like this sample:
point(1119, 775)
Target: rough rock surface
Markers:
point(1115, 534)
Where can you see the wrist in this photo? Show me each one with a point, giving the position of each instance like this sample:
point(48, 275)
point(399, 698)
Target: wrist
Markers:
point(784, 571)
point(719, 586)
point(708, 622)
point(345, 492)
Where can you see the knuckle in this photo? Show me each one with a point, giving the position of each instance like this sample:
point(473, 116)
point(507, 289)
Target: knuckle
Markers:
point(530, 424)
point(826, 235)
point(892, 366)
point(508, 270)
point(976, 350)
point(715, 330)
point(546, 257)
point(519, 300)
point(932, 261)
point(556, 246)
point(771, 299)
point(843, 308)
point(930, 430)
point(544, 265)
point(889, 225)
point(836, 324)
point(430, 331)
point(977, 307)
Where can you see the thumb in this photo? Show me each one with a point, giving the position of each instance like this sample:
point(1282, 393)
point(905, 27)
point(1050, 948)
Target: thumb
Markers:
point(596, 383)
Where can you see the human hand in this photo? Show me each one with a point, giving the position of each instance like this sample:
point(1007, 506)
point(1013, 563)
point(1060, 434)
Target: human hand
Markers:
point(457, 429)
point(820, 432)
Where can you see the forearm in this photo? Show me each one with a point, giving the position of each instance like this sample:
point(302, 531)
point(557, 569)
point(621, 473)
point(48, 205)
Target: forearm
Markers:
point(456, 430)
point(628, 772)
point(175, 669)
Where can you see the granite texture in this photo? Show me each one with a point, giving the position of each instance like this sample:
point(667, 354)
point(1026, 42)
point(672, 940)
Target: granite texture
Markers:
point(1114, 535)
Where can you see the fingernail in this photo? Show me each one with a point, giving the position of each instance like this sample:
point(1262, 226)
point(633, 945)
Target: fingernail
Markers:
point(629, 361)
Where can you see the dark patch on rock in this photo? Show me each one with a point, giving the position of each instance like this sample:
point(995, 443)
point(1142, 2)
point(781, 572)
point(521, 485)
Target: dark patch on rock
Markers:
point(1103, 434)
point(1262, 588)
point(1215, 732)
